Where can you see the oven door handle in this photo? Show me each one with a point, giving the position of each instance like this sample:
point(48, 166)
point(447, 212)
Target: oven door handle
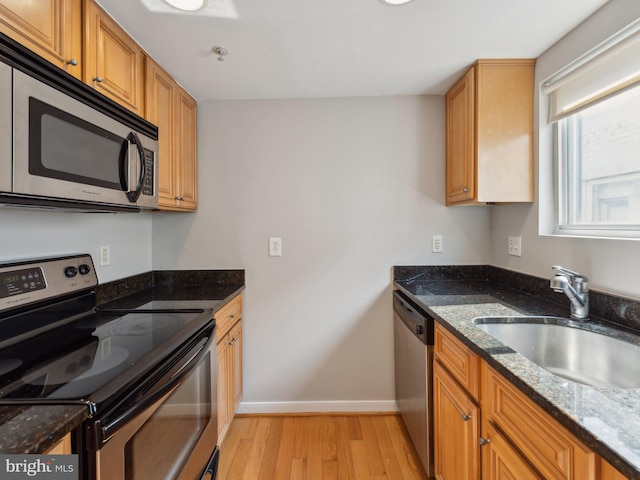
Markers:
point(178, 369)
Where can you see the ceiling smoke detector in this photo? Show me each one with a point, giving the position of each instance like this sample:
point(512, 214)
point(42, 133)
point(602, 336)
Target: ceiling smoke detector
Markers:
point(187, 5)
point(395, 2)
point(221, 52)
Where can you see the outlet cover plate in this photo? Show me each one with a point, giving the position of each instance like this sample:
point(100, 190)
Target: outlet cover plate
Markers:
point(515, 246)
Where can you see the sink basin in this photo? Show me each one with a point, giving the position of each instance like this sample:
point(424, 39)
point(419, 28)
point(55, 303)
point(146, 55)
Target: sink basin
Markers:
point(581, 352)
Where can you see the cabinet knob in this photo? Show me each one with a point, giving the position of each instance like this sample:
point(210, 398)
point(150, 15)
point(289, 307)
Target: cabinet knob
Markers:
point(484, 441)
point(98, 79)
point(465, 190)
point(180, 199)
point(73, 62)
point(465, 417)
point(235, 339)
point(233, 315)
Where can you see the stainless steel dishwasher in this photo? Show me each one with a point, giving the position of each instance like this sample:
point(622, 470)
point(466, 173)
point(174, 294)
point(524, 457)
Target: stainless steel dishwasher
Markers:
point(413, 345)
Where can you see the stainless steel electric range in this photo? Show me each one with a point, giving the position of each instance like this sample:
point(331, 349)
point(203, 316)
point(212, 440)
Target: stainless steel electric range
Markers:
point(147, 376)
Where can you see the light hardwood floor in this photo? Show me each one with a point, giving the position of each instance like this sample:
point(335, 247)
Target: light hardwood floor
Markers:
point(319, 447)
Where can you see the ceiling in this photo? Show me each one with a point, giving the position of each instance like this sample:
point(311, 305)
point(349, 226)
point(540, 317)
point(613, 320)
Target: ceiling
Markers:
point(340, 48)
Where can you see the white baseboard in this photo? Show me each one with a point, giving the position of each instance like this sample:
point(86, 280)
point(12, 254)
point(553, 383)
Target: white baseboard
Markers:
point(319, 407)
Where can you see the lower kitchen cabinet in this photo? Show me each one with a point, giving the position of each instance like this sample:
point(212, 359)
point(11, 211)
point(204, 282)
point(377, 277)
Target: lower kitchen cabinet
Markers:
point(63, 447)
point(499, 433)
point(607, 472)
point(500, 461)
point(229, 363)
point(548, 446)
point(456, 428)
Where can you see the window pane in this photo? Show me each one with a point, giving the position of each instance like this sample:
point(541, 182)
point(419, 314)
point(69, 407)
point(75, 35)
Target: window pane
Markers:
point(602, 165)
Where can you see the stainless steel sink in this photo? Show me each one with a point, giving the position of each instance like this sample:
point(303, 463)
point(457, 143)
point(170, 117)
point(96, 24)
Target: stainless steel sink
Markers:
point(579, 351)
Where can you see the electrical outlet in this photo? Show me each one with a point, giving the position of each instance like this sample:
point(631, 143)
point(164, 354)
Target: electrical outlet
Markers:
point(275, 247)
point(436, 244)
point(105, 255)
point(515, 246)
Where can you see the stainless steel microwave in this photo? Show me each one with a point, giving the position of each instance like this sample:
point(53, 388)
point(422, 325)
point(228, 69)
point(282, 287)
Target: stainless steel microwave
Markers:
point(58, 151)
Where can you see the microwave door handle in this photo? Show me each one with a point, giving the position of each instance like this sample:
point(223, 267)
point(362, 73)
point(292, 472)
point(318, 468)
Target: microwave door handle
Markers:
point(123, 166)
point(135, 194)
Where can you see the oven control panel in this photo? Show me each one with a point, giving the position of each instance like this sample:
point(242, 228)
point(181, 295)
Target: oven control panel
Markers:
point(15, 282)
point(27, 282)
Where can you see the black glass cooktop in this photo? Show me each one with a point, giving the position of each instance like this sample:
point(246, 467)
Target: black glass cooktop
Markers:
point(93, 357)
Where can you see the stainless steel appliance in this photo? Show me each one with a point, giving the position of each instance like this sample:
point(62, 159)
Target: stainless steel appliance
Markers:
point(146, 376)
point(413, 346)
point(56, 150)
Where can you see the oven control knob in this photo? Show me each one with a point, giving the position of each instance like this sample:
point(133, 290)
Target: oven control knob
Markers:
point(71, 272)
point(84, 269)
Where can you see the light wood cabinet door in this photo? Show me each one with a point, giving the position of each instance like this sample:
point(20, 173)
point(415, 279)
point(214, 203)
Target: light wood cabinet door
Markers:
point(50, 28)
point(489, 145)
point(461, 174)
point(500, 461)
point(460, 361)
point(456, 429)
point(63, 447)
point(113, 61)
point(222, 365)
point(186, 151)
point(548, 446)
point(608, 472)
point(174, 112)
point(160, 108)
point(235, 338)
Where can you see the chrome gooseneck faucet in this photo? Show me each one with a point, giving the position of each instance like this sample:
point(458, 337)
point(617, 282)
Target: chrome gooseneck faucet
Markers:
point(576, 287)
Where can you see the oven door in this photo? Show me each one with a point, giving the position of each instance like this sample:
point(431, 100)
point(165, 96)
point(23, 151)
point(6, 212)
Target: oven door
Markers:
point(64, 149)
point(175, 432)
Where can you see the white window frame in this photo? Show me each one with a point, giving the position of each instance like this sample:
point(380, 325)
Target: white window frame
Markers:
point(606, 49)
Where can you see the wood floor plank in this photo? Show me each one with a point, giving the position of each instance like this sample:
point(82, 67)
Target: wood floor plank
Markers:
point(314, 453)
point(298, 469)
point(241, 429)
point(360, 464)
point(387, 451)
point(374, 457)
point(328, 432)
point(301, 442)
point(285, 452)
point(272, 447)
point(239, 463)
point(258, 446)
point(319, 447)
point(343, 449)
point(406, 454)
point(330, 470)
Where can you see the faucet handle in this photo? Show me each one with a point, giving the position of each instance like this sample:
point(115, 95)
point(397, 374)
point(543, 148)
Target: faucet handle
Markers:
point(575, 276)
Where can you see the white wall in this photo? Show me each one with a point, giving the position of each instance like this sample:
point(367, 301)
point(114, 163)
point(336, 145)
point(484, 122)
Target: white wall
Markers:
point(27, 233)
point(611, 265)
point(353, 186)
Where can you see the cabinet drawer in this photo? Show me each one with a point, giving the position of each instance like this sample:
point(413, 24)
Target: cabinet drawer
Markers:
point(462, 363)
point(551, 449)
point(227, 316)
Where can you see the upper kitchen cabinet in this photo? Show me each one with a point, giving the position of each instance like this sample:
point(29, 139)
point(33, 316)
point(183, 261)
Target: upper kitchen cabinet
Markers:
point(113, 61)
point(50, 28)
point(174, 112)
point(490, 134)
point(187, 159)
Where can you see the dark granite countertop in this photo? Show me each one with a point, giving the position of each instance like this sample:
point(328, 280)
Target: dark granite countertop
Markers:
point(35, 429)
point(606, 419)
